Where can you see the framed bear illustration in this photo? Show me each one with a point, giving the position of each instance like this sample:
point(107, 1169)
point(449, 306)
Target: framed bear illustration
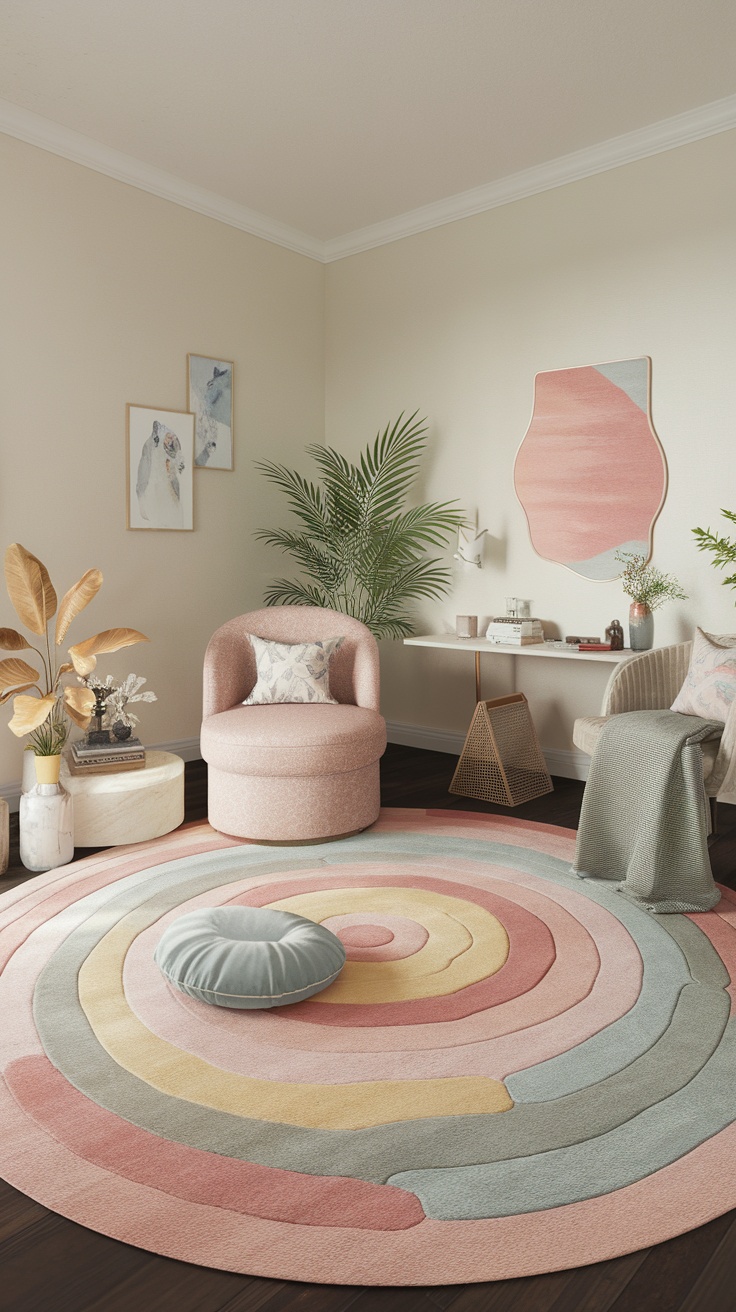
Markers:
point(160, 446)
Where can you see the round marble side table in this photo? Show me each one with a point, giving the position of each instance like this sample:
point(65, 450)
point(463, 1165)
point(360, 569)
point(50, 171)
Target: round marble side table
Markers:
point(127, 806)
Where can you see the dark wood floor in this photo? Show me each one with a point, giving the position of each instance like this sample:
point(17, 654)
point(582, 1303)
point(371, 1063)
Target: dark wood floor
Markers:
point(48, 1264)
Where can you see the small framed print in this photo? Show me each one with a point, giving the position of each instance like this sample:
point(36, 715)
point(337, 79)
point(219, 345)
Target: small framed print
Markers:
point(210, 398)
point(160, 459)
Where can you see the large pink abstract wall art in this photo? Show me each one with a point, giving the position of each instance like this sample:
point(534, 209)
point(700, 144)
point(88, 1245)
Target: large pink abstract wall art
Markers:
point(591, 473)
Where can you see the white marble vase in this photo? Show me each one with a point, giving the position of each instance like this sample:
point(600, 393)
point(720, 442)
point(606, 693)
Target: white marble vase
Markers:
point(46, 827)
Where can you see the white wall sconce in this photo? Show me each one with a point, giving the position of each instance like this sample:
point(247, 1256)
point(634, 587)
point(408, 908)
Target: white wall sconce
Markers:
point(470, 544)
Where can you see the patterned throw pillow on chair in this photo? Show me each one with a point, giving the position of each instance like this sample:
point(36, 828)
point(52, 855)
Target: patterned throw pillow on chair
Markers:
point(710, 683)
point(292, 671)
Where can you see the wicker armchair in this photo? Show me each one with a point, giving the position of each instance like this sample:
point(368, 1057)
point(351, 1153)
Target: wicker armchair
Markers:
point(650, 682)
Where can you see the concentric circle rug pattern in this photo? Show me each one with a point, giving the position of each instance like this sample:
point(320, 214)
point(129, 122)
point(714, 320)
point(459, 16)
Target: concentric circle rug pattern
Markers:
point(516, 1071)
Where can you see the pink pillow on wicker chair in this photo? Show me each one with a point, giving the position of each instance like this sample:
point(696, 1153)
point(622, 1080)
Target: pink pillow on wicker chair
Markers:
point(710, 683)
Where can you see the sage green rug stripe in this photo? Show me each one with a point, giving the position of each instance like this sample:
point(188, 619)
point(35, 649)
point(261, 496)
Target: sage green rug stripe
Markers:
point(644, 1029)
point(652, 1140)
point(64, 1029)
point(230, 1138)
point(665, 974)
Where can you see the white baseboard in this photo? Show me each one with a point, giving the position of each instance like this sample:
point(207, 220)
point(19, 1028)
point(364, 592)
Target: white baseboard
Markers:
point(432, 740)
point(186, 748)
point(564, 764)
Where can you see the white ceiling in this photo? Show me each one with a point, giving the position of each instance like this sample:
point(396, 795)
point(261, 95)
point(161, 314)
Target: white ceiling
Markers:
point(332, 115)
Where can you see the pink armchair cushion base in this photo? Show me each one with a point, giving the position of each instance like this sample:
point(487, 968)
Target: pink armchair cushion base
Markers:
point(293, 739)
point(292, 810)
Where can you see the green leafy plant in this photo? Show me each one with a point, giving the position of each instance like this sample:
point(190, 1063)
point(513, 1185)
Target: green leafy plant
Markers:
point(645, 583)
point(723, 549)
point(359, 550)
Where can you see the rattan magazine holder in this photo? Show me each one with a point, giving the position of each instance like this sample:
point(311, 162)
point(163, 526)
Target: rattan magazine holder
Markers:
point(501, 760)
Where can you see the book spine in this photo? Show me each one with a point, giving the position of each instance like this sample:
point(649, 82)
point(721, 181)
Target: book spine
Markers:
point(97, 762)
point(515, 642)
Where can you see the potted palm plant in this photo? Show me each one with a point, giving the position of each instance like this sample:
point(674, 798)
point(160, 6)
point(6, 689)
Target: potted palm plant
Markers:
point(358, 549)
point(44, 707)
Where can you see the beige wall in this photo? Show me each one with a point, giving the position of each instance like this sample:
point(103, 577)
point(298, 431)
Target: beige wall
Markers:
point(456, 321)
point(104, 290)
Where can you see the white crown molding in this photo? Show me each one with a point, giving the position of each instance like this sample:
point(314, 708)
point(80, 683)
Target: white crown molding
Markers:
point(693, 125)
point(43, 132)
point(706, 121)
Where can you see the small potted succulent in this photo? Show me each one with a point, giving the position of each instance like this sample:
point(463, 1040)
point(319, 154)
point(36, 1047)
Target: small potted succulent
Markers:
point(648, 589)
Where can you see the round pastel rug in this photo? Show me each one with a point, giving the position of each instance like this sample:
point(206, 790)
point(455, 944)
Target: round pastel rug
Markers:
point(516, 1071)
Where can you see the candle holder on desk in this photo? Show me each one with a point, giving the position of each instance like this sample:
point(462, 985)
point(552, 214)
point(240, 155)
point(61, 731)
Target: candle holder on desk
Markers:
point(466, 626)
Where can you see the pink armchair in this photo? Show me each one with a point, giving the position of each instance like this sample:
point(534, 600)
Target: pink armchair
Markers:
point(292, 772)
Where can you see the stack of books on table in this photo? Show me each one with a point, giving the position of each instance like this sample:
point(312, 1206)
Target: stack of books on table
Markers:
point(105, 758)
point(509, 632)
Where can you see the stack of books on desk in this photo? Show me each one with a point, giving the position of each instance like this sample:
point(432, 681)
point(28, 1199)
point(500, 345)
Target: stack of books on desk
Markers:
point(509, 632)
point(104, 758)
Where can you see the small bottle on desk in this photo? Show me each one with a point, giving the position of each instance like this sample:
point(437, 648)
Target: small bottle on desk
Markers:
point(615, 635)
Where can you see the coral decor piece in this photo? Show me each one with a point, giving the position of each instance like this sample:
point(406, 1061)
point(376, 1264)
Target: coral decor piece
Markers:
point(515, 1071)
point(591, 473)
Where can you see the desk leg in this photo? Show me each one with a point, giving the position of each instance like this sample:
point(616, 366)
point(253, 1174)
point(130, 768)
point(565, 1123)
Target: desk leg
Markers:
point(477, 677)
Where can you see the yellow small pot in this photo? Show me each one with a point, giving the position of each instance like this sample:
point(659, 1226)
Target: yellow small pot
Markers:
point(47, 769)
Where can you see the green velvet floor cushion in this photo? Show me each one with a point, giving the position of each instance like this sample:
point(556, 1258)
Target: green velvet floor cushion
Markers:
point(248, 957)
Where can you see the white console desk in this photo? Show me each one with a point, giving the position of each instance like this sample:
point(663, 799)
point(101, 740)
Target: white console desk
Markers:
point(480, 646)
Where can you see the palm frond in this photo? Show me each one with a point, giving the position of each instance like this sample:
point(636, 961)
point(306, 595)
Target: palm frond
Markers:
point(329, 571)
point(361, 551)
point(306, 500)
point(390, 467)
point(284, 592)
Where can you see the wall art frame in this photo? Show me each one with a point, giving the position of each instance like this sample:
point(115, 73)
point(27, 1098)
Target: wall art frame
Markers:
point(210, 399)
point(159, 460)
point(591, 472)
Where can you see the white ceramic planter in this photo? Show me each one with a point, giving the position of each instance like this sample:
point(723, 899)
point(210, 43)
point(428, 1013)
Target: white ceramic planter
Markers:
point(46, 821)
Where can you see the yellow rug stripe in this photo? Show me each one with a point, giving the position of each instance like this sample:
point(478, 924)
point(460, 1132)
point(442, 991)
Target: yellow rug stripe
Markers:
point(466, 944)
point(313, 1106)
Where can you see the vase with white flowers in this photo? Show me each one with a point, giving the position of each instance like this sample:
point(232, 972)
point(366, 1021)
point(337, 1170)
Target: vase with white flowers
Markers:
point(44, 707)
point(648, 589)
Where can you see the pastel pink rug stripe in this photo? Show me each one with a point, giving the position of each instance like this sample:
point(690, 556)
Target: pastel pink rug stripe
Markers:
point(98, 1137)
point(612, 994)
point(501, 822)
point(531, 951)
point(543, 838)
point(365, 936)
point(196, 1028)
point(405, 936)
point(531, 954)
point(194, 832)
point(721, 930)
point(57, 895)
point(701, 1186)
